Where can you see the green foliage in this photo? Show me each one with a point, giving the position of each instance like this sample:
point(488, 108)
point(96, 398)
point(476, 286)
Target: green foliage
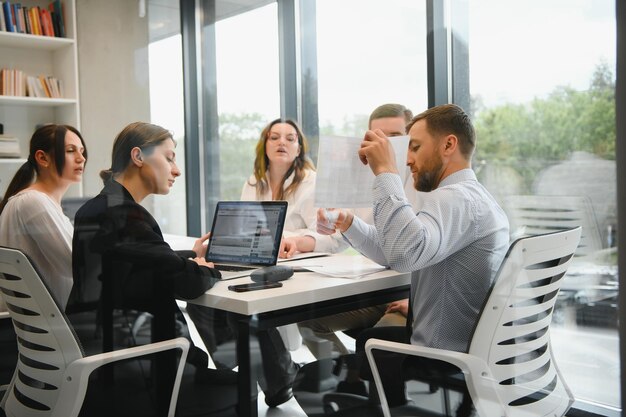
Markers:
point(522, 137)
point(239, 134)
point(528, 137)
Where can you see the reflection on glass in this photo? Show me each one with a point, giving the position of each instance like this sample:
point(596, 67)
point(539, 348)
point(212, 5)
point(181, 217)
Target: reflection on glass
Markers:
point(545, 119)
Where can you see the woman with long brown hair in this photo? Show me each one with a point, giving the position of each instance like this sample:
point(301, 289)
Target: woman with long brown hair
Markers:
point(283, 171)
point(31, 218)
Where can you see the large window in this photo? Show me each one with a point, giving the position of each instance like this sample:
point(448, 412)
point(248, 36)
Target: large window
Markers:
point(166, 109)
point(131, 73)
point(369, 53)
point(248, 95)
point(542, 88)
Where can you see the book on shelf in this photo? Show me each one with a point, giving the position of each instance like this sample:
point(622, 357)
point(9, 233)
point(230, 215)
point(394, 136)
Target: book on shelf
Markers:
point(19, 16)
point(8, 16)
point(12, 82)
point(27, 21)
point(34, 15)
point(44, 84)
point(15, 16)
point(46, 22)
point(3, 25)
point(16, 83)
point(59, 14)
point(34, 20)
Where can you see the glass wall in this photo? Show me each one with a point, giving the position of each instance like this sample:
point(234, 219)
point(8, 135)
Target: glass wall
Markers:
point(248, 95)
point(542, 98)
point(369, 53)
point(166, 109)
point(542, 88)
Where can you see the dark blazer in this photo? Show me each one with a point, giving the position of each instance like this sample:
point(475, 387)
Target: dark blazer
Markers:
point(117, 239)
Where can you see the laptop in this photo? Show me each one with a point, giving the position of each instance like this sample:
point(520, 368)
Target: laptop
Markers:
point(245, 236)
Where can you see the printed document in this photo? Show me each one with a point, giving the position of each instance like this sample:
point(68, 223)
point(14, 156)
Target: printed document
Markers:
point(343, 181)
point(339, 266)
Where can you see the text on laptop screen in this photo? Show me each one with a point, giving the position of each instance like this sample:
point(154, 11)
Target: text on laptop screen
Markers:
point(246, 232)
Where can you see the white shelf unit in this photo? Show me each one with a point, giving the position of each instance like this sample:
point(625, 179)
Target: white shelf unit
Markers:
point(42, 55)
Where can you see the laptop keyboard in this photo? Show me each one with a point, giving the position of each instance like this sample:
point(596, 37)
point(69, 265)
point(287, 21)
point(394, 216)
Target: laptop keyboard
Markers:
point(231, 268)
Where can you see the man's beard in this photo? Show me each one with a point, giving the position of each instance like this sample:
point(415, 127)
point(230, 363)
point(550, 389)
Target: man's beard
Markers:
point(428, 180)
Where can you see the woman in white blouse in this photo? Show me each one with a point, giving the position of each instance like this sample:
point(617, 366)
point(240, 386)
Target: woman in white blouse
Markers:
point(31, 218)
point(283, 171)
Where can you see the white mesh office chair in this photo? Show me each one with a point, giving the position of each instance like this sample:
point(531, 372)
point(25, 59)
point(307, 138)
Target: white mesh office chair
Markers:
point(52, 373)
point(509, 368)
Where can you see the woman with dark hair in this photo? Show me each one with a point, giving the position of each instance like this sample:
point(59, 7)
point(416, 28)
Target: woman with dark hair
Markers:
point(114, 222)
point(119, 247)
point(31, 218)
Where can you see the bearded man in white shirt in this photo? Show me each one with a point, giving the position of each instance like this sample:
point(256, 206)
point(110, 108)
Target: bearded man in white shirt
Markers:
point(453, 246)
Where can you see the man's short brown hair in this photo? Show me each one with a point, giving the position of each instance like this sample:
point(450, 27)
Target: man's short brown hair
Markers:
point(449, 119)
point(391, 110)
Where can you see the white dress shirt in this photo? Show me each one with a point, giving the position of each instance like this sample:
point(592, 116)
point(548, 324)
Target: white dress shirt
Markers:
point(35, 224)
point(453, 247)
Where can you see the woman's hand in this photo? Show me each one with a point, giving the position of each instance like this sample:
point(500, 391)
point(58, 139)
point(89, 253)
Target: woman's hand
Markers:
point(202, 262)
point(290, 245)
point(199, 247)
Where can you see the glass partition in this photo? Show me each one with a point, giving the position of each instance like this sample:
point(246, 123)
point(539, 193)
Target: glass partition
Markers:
point(542, 88)
point(248, 95)
point(167, 110)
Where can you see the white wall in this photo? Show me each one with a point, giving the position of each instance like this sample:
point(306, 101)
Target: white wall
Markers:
point(113, 77)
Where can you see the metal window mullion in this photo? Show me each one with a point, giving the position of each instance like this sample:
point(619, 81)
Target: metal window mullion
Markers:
point(288, 59)
point(194, 188)
point(209, 119)
point(308, 74)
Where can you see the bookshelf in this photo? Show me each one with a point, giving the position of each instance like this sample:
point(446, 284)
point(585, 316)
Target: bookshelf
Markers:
point(41, 55)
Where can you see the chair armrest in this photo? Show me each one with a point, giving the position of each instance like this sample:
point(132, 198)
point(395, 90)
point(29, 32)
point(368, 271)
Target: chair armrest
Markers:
point(77, 373)
point(480, 384)
point(4, 315)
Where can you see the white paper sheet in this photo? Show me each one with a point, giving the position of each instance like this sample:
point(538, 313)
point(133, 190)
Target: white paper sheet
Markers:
point(352, 267)
point(342, 179)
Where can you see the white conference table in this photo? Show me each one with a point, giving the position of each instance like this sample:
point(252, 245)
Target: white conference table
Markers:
point(306, 295)
point(303, 288)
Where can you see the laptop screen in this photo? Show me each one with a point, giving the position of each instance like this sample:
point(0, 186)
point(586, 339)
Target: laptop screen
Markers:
point(247, 232)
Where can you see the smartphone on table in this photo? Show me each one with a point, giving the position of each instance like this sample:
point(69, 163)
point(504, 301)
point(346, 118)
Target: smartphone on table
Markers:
point(253, 286)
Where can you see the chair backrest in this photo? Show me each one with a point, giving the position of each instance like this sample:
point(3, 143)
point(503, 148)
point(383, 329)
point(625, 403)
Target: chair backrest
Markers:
point(539, 214)
point(512, 334)
point(46, 342)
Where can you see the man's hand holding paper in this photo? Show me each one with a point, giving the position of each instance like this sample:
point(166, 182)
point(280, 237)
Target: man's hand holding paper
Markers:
point(343, 180)
point(377, 152)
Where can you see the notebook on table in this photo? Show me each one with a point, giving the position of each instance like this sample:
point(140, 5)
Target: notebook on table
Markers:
point(245, 236)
